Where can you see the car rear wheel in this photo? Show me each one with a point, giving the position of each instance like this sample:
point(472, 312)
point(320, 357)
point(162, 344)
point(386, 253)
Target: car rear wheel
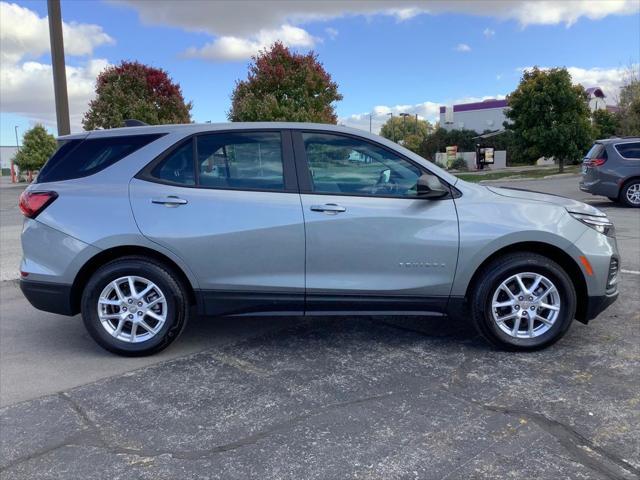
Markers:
point(133, 306)
point(630, 194)
point(523, 301)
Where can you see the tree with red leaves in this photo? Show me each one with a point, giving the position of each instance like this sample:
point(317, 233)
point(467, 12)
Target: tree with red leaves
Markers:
point(285, 86)
point(136, 91)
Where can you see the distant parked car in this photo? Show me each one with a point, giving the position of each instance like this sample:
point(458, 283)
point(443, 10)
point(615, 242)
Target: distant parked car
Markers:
point(135, 226)
point(612, 169)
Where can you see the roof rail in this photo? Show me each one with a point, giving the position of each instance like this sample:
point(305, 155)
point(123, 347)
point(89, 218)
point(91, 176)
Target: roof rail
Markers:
point(132, 122)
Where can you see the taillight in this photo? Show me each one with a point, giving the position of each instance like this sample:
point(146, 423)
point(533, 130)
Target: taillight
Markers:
point(596, 162)
point(33, 203)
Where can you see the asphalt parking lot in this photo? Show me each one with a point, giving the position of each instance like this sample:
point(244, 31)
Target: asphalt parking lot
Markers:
point(298, 398)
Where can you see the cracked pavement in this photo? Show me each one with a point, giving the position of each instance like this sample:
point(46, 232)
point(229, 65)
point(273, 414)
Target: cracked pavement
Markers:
point(324, 398)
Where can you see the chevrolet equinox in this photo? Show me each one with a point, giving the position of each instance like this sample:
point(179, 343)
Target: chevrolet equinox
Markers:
point(139, 227)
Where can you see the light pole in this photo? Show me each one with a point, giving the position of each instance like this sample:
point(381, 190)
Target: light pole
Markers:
point(57, 64)
point(404, 125)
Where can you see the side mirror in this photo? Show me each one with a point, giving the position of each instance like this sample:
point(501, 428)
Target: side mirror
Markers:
point(430, 187)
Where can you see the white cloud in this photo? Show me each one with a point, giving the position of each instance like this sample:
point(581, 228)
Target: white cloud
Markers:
point(26, 87)
point(609, 79)
point(428, 110)
point(24, 33)
point(463, 47)
point(488, 32)
point(332, 33)
point(236, 48)
point(239, 20)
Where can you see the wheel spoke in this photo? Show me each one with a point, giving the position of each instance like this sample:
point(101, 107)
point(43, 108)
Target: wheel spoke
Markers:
point(146, 326)
point(118, 329)
point(146, 290)
point(506, 317)
point(523, 289)
point(516, 326)
point(132, 287)
point(134, 327)
point(106, 301)
point(549, 307)
point(155, 316)
point(509, 303)
point(545, 294)
point(530, 322)
point(535, 284)
point(119, 293)
point(508, 291)
point(154, 302)
point(543, 320)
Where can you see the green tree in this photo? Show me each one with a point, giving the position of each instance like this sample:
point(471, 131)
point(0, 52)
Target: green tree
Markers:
point(604, 123)
point(37, 146)
point(285, 86)
point(440, 138)
point(406, 130)
point(629, 107)
point(549, 116)
point(132, 90)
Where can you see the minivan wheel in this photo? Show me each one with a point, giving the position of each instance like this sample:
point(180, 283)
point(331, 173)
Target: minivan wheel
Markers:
point(133, 306)
point(630, 194)
point(523, 301)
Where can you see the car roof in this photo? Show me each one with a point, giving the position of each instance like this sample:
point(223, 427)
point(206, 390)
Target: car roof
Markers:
point(616, 140)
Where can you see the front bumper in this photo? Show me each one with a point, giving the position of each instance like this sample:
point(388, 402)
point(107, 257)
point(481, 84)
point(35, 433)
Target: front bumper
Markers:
point(597, 305)
point(48, 297)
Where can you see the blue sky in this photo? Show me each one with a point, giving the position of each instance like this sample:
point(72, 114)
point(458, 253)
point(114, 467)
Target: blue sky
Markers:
point(385, 56)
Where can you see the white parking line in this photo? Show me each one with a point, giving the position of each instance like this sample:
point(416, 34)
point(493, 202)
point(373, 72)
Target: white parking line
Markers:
point(632, 272)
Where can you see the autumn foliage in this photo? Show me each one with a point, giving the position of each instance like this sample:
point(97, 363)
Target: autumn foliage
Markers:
point(137, 91)
point(285, 86)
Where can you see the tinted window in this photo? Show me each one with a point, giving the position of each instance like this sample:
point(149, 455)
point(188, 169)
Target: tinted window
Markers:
point(345, 165)
point(81, 158)
point(597, 151)
point(177, 166)
point(241, 160)
point(629, 150)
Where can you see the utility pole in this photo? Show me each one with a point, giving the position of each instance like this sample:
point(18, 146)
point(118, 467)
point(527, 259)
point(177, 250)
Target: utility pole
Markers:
point(58, 67)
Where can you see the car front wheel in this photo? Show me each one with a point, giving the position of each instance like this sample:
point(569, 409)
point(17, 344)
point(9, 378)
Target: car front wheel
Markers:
point(523, 301)
point(133, 306)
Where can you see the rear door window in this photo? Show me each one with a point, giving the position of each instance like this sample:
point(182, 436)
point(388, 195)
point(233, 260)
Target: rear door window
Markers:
point(630, 151)
point(81, 158)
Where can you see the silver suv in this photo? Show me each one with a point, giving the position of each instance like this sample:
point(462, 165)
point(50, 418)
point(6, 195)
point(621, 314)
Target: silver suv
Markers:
point(138, 228)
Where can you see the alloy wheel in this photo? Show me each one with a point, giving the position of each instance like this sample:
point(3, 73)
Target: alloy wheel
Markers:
point(633, 194)
point(132, 309)
point(525, 305)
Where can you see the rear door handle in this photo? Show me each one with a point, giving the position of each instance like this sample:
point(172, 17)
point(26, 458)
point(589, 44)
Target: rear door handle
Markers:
point(170, 201)
point(330, 208)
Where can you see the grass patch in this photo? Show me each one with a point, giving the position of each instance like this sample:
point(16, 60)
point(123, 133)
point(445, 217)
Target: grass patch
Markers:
point(477, 177)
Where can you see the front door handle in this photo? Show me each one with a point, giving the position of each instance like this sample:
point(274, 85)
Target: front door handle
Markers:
point(330, 208)
point(170, 201)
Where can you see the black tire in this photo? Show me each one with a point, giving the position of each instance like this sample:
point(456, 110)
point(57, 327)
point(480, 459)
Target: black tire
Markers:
point(177, 305)
point(500, 270)
point(623, 193)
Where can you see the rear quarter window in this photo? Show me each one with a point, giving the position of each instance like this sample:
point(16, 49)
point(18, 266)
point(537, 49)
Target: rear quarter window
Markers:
point(630, 151)
point(81, 158)
point(598, 150)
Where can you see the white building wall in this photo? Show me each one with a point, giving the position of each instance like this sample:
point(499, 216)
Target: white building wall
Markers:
point(478, 120)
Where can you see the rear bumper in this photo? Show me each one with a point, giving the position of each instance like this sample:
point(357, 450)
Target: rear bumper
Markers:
point(597, 305)
point(599, 187)
point(49, 297)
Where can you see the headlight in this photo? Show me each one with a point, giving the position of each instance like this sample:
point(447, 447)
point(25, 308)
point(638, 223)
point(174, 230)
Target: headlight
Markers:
point(599, 224)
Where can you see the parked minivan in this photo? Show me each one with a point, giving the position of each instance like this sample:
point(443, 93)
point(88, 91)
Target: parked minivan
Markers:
point(138, 228)
point(612, 168)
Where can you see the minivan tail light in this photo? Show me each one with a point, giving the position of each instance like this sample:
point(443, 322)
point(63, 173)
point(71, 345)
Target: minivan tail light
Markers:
point(597, 162)
point(33, 203)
